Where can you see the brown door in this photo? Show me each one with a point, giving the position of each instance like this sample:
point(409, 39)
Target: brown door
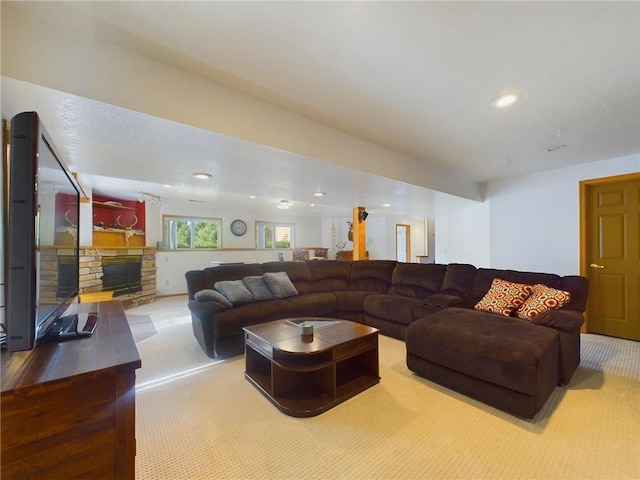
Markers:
point(612, 260)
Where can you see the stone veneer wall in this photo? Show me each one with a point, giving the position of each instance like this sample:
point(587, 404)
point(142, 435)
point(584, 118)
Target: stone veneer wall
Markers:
point(91, 272)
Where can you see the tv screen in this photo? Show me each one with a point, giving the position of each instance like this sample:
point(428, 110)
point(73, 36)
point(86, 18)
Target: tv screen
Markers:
point(42, 254)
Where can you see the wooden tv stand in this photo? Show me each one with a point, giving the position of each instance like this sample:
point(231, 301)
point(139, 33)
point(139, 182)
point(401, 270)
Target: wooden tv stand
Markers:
point(68, 408)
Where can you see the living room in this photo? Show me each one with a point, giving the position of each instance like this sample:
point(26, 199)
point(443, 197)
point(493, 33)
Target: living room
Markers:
point(488, 219)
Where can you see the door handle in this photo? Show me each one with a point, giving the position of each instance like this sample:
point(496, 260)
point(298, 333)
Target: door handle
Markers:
point(595, 265)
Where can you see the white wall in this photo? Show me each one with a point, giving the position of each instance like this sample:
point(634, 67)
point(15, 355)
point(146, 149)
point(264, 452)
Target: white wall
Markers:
point(463, 236)
point(171, 265)
point(528, 222)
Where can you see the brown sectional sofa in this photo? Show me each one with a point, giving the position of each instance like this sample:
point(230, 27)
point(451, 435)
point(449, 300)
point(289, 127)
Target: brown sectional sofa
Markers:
point(430, 306)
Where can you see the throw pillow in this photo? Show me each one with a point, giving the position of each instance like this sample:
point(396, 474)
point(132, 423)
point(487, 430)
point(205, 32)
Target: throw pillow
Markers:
point(504, 297)
point(280, 284)
point(207, 295)
point(235, 291)
point(542, 300)
point(258, 288)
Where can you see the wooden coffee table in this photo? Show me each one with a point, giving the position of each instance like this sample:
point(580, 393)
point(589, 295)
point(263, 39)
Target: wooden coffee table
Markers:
point(306, 375)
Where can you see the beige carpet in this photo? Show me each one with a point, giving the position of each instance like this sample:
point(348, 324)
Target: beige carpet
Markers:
point(202, 419)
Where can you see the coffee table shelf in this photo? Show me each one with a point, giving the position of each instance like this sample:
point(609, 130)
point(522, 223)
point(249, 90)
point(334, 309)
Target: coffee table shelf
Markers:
point(304, 377)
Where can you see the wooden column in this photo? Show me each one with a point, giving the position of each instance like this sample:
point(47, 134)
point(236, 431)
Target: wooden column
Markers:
point(359, 235)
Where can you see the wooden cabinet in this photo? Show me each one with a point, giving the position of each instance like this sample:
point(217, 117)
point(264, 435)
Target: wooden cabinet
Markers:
point(68, 408)
point(118, 223)
point(347, 255)
point(115, 223)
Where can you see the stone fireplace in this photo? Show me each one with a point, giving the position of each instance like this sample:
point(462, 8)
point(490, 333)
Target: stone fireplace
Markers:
point(130, 273)
point(134, 286)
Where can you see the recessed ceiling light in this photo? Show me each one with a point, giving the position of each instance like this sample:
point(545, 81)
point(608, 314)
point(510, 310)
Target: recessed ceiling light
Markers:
point(554, 148)
point(319, 194)
point(252, 196)
point(166, 185)
point(312, 204)
point(506, 100)
point(202, 176)
point(386, 205)
point(284, 204)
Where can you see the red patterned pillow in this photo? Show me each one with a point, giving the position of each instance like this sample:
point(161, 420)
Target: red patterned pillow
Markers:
point(542, 300)
point(504, 297)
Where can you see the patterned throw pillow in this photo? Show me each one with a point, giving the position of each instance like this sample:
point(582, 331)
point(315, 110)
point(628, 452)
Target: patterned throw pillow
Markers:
point(542, 300)
point(504, 297)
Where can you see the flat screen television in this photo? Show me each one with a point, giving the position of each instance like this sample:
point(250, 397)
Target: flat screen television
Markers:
point(41, 253)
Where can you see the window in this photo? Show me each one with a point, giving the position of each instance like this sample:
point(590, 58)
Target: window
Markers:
point(274, 235)
point(191, 232)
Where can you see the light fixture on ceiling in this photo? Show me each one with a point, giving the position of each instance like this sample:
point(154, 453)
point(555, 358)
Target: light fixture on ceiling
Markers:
point(149, 199)
point(202, 176)
point(166, 185)
point(555, 148)
point(285, 205)
point(319, 194)
point(386, 205)
point(252, 196)
point(506, 100)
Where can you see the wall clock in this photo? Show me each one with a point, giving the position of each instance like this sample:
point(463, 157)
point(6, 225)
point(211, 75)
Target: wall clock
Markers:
point(238, 228)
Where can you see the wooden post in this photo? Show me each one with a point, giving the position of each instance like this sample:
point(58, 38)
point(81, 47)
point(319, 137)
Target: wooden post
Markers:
point(359, 235)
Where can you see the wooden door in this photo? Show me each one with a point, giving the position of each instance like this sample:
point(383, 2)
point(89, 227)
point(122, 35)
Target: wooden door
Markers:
point(611, 258)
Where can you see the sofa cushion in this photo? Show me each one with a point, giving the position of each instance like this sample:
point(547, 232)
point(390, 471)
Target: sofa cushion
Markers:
point(258, 288)
point(235, 291)
point(280, 284)
point(312, 304)
point(416, 280)
point(230, 322)
point(504, 297)
point(541, 300)
point(350, 301)
point(391, 307)
point(329, 275)
point(371, 275)
point(231, 272)
point(208, 295)
point(458, 279)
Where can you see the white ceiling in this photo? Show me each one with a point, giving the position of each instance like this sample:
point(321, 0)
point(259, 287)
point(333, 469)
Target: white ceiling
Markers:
point(416, 77)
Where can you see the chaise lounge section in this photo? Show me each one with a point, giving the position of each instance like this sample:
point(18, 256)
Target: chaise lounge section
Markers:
point(510, 363)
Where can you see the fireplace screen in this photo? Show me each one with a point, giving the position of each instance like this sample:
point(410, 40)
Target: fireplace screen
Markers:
point(122, 274)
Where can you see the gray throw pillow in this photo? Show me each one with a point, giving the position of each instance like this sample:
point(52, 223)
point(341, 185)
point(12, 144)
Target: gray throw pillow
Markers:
point(235, 291)
point(280, 284)
point(258, 288)
point(209, 295)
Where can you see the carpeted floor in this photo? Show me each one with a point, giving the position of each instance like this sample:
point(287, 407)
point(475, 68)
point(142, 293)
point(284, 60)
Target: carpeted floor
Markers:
point(141, 326)
point(198, 418)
